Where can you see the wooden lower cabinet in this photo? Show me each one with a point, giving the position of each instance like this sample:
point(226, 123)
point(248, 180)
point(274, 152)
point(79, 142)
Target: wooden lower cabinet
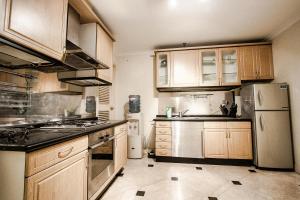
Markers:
point(163, 139)
point(239, 144)
point(120, 151)
point(233, 142)
point(65, 180)
point(215, 143)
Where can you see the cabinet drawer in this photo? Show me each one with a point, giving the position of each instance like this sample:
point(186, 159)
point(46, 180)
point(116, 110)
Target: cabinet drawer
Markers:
point(163, 124)
point(214, 124)
point(239, 125)
point(163, 138)
point(163, 145)
point(41, 159)
point(163, 152)
point(163, 131)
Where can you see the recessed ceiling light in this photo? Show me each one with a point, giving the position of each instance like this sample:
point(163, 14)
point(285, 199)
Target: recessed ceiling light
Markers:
point(172, 3)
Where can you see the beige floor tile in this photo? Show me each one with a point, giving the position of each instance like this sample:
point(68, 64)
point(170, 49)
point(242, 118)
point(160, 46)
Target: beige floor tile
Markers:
point(192, 184)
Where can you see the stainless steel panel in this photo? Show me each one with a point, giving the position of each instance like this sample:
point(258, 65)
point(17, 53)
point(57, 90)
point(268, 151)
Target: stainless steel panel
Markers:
point(271, 96)
point(273, 137)
point(187, 139)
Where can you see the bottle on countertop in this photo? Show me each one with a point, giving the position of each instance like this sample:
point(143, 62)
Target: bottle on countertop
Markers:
point(169, 112)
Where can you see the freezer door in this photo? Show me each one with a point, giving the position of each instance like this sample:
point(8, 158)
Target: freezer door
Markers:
point(273, 138)
point(271, 96)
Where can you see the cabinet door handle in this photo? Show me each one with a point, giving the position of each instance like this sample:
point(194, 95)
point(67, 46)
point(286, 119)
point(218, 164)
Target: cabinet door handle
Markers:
point(63, 154)
point(162, 131)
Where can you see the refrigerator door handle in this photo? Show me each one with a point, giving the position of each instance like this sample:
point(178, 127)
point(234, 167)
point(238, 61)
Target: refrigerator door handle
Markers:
point(259, 96)
point(261, 123)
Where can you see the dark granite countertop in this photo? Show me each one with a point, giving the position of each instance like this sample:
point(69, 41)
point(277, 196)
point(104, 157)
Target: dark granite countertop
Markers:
point(200, 118)
point(41, 138)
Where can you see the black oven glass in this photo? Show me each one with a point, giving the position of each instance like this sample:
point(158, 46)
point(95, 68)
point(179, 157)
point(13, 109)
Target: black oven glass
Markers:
point(101, 157)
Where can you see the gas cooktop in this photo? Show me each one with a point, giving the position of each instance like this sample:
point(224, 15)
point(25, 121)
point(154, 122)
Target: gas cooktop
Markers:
point(74, 124)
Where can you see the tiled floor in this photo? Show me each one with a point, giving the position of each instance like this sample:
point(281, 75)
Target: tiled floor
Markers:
point(210, 182)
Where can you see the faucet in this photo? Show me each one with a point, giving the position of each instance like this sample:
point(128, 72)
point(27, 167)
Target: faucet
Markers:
point(181, 113)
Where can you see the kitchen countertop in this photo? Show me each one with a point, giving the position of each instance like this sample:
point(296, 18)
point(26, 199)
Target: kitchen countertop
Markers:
point(41, 138)
point(200, 118)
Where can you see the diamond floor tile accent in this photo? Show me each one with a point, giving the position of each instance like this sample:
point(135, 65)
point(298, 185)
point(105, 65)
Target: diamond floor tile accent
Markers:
point(140, 193)
point(236, 183)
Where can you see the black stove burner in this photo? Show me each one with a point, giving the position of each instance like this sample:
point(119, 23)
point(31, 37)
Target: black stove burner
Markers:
point(13, 135)
point(77, 123)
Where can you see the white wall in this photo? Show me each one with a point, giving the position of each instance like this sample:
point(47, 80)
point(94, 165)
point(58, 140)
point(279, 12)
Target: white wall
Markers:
point(134, 76)
point(286, 53)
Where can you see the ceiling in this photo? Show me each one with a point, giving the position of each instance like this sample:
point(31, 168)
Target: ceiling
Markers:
point(142, 25)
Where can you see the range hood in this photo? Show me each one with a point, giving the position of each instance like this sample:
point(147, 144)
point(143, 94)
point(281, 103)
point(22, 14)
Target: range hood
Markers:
point(83, 78)
point(15, 56)
point(75, 56)
point(77, 59)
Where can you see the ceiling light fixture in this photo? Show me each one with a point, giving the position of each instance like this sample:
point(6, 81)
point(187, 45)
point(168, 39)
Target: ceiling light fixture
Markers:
point(172, 3)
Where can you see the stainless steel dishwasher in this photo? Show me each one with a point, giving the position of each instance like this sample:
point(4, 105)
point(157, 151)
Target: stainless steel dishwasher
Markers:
point(187, 139)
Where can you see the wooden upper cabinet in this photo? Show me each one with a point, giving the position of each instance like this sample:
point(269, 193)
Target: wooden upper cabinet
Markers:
point(184, 68)
point(39, 25)
point(229, 67)
point(104, 47)
point(97, 43)
point(256, 62)
point(265, 62)
point(163, 69)
point(209, 67)
point(215, 66)
point(247, 63)
point(240, 144)
point(48, 82)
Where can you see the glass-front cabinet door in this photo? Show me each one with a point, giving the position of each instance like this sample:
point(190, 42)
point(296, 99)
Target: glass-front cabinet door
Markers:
point(229, 66)
point(163, 69)
point(209, 71)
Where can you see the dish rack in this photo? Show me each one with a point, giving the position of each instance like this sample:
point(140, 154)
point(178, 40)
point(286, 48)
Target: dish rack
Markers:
point(13, 95)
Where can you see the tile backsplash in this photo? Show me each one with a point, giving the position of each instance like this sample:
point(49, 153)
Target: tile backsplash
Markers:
point(49, 104)
point(198, 103)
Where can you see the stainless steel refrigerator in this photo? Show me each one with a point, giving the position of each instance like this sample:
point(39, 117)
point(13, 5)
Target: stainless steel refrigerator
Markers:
point(268, 107)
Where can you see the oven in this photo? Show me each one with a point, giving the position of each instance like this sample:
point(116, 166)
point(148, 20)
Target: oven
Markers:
point(101, 159)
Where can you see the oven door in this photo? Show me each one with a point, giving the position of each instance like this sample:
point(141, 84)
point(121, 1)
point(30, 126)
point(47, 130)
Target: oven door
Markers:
point(101, 165)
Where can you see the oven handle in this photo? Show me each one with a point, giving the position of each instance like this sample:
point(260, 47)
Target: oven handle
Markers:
point(101, 143)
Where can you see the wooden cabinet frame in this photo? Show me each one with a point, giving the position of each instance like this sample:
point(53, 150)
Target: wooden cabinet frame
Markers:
point(158, 84)
point(193, 76)
point(201, 83)
point(222, 82)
